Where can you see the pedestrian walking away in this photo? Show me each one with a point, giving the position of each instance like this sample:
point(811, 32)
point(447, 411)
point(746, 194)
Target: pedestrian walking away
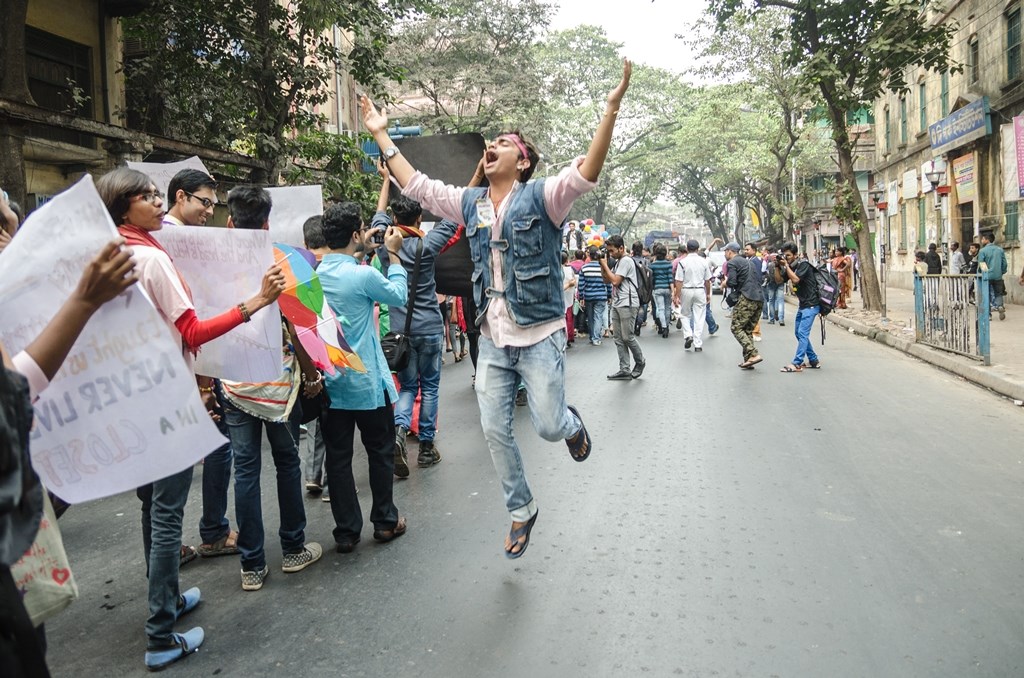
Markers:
point(693, 292)
point(518, 283)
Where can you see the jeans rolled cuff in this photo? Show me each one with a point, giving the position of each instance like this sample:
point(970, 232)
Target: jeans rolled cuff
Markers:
point(524, 513)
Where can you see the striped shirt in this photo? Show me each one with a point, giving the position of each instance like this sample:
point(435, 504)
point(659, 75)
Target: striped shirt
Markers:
point(591, 283)
point(662, 270)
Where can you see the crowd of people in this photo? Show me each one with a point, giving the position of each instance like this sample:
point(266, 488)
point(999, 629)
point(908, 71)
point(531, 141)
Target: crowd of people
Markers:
point(535, 289)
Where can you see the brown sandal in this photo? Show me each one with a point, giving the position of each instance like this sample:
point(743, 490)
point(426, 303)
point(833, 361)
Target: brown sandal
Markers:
point(792, 368)
point(394, 533)
point(225, 546)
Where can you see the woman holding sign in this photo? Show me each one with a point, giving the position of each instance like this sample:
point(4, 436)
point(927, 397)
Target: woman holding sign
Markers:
point(137, 207)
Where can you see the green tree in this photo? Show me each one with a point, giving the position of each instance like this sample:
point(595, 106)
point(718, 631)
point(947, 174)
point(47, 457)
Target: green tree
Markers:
point(748, 53)
point(247, 74)
point(470, 65)
point(849, 52)
point(580, 65)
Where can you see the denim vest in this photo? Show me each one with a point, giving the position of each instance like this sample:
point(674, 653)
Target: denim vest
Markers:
point(531, 259)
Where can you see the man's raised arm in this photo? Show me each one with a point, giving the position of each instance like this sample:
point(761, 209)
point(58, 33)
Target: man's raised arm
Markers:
point(598, 151)
point(376, 123)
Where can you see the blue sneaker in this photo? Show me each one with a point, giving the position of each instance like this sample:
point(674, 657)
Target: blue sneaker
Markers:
point(187, 601)
point(184, 645)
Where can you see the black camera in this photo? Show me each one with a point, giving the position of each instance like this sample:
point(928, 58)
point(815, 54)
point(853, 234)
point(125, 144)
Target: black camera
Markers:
point(378, 237)
point(602, 252)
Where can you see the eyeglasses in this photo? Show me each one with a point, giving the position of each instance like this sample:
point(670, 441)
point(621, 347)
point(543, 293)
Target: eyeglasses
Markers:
point(151, 197)
point(205, 202)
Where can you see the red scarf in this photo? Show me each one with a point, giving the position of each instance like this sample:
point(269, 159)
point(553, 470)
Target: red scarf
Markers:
point(137, 237)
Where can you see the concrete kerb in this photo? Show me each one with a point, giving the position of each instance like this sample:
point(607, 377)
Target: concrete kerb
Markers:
point(987, 377)
point(978, 374)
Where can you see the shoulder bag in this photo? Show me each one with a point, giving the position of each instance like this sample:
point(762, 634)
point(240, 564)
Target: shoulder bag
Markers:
point(394, 345)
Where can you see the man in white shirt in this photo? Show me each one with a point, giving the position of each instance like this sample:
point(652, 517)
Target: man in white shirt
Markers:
point(693, 289)
point(957, 263)
point(625, 306)
point(191, 196)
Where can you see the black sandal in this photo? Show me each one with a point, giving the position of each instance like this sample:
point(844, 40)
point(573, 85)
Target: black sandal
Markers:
point(579, 445)
point(517, 534)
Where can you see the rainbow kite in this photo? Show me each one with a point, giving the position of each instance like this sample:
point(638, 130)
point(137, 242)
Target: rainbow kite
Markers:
point(303, 303)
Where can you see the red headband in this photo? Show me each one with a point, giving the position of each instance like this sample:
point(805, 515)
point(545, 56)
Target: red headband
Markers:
point(514, 138)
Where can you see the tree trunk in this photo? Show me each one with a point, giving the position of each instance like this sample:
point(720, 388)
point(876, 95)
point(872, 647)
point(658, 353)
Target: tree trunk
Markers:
point(870, 291)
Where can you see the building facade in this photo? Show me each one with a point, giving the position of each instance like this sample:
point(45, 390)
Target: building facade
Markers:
point(957, 127)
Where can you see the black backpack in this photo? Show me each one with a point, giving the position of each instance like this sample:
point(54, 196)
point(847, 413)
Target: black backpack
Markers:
point(828, 289)
point(644, 274)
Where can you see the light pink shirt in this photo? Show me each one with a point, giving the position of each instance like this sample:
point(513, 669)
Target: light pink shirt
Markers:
point(159, 278)
point(559, 194)
point(28, 368)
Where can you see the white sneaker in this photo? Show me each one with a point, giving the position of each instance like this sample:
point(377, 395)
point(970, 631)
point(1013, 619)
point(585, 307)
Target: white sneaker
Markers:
point(757, 338)
point(252, 580)
point(295, 562)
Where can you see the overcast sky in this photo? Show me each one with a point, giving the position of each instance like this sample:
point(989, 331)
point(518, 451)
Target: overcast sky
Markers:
point(647, 28)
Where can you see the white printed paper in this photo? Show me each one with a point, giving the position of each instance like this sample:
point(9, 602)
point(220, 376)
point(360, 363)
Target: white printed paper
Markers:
point(224, 266)
point(124, 409)
point(162, 172)
point(292, 205)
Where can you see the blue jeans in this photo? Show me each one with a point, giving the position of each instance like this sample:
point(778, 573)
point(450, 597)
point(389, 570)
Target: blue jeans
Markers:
point(542, 368)
point(804, 323)
point(597, 310)
point(423, 373)
point(163, 509)
point(775, 303)
point(996, 289)
point(213, 524)
point(662, 304)
point(246, 439)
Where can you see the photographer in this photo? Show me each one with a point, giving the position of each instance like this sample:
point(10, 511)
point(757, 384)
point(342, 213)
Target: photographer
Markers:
point(426, 331)
point(800, 272)
point(625, 307)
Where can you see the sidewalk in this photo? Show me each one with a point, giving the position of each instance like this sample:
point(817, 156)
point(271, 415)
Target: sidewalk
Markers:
point(1004, 376)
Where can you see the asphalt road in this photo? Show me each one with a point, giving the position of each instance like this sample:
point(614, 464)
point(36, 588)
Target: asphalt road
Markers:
point(860, 520)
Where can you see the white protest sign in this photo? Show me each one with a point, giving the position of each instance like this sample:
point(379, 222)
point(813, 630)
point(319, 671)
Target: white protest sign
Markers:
point(124, 409)
point(162, 172)
point(224, 266)
point(292, 206)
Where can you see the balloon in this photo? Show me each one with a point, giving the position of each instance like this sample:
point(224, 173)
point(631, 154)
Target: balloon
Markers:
point(586, 229)
point(604, 234)
point(589, 222)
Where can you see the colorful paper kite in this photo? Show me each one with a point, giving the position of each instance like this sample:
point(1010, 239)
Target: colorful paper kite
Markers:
point(303, 303)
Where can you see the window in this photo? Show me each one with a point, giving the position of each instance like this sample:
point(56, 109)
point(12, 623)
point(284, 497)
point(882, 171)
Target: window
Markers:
point(972, 59)
point(1013, 46)
point(922, 214)
point(888, 131)
point(944, 95)
point(1012, 231)
point(903, 227)
point(60, 79)
point(903, 121)
point(922, 103)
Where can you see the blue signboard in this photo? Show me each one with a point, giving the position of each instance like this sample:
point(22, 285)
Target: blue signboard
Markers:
point(961, 126)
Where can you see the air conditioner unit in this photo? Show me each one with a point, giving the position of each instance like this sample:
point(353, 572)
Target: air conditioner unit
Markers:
point(331, 129)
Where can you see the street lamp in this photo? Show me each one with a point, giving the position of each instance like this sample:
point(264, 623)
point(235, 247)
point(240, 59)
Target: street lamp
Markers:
point(937, 178)
point(877, 193)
